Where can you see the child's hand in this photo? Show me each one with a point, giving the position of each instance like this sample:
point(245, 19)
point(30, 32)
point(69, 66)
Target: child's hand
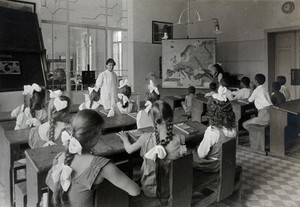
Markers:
point(123, 135)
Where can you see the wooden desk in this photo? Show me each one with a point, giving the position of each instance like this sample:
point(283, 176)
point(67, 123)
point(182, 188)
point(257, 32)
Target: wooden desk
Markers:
point(12, 145)
point(199, 103)
point(6, 116)
point(6, 121)
point(118, 123)
point(174, 101)
point(39, 160)
point(281, 118)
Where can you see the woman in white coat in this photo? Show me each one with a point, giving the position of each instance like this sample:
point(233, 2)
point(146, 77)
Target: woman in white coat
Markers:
point(108, 82)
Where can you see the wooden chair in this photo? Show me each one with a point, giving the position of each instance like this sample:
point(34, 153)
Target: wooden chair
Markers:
point(181, 178)
point(214, 187)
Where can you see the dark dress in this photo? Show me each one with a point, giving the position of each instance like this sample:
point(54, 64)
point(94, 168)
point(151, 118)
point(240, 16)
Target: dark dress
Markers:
point(277, 98)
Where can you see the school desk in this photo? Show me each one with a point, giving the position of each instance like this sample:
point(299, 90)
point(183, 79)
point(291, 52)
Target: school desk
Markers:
point(39, 160)
point(284, 124)
point(12, 146)
point(199, 103)
point(6, 121)
point(174, 101)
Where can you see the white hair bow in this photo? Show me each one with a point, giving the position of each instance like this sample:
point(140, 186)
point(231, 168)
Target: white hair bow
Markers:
point(123, 83)
point(152, 88)
point(69, 141)
point(123, 98)
point(148, 105)
point(93, 89)
point(62, 173)
point(157, 150)
point(58, 104)
point(221, 95)
point(28, 89)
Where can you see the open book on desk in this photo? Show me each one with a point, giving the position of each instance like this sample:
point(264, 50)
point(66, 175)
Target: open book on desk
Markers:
point(184, 127)
point(136, 133)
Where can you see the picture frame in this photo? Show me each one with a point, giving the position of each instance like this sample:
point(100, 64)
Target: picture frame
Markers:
point(19, 5)
point(158, 30)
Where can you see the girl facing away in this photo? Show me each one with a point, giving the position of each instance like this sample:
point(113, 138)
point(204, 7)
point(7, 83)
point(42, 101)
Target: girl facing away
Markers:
point(93, 103)
point(124, 105)
point(49, 133)
point(32, 112)
point(82, 170)
point(221, 128)
point(143, 118)
point(156, 146)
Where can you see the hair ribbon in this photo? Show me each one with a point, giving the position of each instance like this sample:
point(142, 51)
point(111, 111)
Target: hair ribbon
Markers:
point(28, 89)
point(58, 104)
point(62, 173)
point(90, 89)
point(71, 143)
point(157, 151)
point(221, 95)
point(152, 88)
point(123, 98)
point(148, 105)
point(123, 83)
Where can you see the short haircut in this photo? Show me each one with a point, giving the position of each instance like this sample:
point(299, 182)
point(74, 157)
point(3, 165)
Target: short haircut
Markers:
point(191, 90)
point(110, 60)
point(225, 82)
point(213, 86)
point(276, 86)
point(260, 78)
point(246, 81)
point(219, 69)
point(281, 79)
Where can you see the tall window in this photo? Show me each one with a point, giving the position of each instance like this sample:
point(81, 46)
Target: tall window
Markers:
point(117, 52)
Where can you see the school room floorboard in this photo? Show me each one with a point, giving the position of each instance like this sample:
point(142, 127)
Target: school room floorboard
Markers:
point(267, 181)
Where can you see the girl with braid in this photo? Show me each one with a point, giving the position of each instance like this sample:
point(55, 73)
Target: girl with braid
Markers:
point(157, 148)
point(93, 103)
point(49, 133)
point(76, 172)
point(221, 128)
point(32, 112)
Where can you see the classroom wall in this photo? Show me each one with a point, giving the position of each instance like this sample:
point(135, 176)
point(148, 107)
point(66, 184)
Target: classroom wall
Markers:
point(240, 48)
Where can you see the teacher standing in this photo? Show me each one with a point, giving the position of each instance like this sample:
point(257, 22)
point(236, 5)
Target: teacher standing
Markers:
point(108, 82)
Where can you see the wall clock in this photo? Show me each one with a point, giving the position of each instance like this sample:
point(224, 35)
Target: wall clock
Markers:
point(288, 7)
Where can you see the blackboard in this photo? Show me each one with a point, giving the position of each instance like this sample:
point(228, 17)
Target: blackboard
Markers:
point(21, 50)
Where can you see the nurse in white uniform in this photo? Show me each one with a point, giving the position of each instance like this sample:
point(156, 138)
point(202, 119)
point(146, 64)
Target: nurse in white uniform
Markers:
point(108, 82)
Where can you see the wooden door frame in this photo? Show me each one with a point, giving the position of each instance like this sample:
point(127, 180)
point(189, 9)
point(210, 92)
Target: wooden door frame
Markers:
point(270, 53)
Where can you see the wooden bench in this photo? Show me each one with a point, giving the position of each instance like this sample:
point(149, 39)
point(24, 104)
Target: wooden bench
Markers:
point(214, 187)
point(181, 178)
point(259, 138)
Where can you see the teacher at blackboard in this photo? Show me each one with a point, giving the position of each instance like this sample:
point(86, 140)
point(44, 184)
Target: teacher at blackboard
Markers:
point(108, 82)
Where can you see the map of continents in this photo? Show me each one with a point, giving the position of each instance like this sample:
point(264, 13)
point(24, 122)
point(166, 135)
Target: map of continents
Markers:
point(185, 61)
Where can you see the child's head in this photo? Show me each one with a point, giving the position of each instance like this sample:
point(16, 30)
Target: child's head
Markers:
point(215, 69)
point(213, 86)
point(192, 90)
point(276, 86)
point(162, 115)
point(245, 82)
point(85, 128)
point(28, 92)
point(260, 79)
point(281, 79)
point(220, 114)
point(94, 95)
point(124, 89)
point(37, 101)
point(152, 93)
point(225, 82)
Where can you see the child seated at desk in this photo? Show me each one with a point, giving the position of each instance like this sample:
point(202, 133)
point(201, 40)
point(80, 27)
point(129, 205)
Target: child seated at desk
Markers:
point(124, 105)
point(93, 103)
point(49, 133)
point(244, 92)
point(32, 112)
point(161, 144)
point(187, 103)
point(283, 89)
point(213, 89)
point(75, 172)
point(221, 128)
point(277, 97)
point(262, 101)
point(143, 118)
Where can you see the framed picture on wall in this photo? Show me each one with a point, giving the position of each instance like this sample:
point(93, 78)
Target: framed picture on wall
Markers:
point(158, 30)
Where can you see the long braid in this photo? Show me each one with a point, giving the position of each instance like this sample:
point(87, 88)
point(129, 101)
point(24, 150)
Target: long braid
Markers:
point(52, 127)
point(169, 137)
point(156, 134)
point(91, 103)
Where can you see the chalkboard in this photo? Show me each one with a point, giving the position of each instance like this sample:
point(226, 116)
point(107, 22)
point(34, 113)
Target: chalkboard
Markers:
point(21, 50)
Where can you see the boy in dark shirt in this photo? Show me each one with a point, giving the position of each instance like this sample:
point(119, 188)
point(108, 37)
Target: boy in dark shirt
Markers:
point(277, 97)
